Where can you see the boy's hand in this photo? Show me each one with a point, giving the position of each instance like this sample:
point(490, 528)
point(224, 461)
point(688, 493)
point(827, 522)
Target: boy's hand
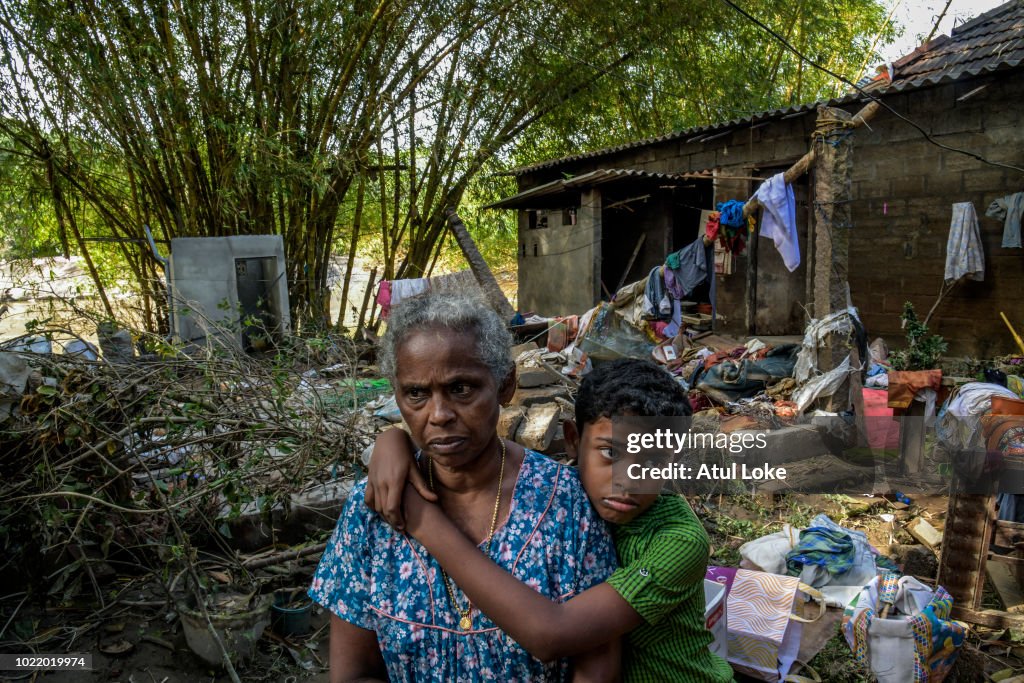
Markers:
point(391, 467)
point(420, 515)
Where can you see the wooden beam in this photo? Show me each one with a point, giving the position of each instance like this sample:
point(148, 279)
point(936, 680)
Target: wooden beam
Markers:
point(478, 265)
point(803, 164)
point(632, 259)
point(751, 307)
point(988, 617)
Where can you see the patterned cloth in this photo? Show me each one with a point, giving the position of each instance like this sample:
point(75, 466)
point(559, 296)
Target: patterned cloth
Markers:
point(824, 547)
point(384, 581)
point(917, 643)
point(664, 554)
point(964, 256)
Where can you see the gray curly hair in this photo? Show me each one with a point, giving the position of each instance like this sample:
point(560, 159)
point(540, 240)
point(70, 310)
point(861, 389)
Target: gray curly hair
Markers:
point(460, 312)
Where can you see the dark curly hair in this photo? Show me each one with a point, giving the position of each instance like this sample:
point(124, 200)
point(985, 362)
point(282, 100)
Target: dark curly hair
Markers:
point(629, 386)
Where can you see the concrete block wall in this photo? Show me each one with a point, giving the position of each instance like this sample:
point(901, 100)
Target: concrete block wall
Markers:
point(559, 261)
point(903, 188)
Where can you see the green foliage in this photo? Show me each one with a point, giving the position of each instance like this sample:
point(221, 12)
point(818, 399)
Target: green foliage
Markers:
point(923, 350)
point(28, 227)
point(351, 128)
point(711, 65)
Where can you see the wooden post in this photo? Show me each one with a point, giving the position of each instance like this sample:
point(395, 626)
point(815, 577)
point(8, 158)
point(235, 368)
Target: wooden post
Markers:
point(589, 218)
point(833, 147)
point(912, 433)
point(751, 308)
point(478, 265)
point(366, 299)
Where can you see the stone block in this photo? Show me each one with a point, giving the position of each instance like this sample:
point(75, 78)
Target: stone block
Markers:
point(925, 533)
point(527, 397)
point(920, 163)
point(557, 444)
point(988, 180)
point(539, 426)
point(520, 349)
point(907, 184)
point(509, 421)
point(534, 376)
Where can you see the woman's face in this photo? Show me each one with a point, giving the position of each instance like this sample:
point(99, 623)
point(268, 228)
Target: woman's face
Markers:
point(447, 395)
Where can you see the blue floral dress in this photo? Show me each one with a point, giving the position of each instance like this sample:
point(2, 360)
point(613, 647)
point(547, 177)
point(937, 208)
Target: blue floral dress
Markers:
point(387, 582)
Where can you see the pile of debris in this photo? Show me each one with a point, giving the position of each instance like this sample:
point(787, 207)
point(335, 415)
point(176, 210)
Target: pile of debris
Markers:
point(111, 464)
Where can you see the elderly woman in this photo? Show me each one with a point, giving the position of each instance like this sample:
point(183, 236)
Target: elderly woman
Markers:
point(395, 613)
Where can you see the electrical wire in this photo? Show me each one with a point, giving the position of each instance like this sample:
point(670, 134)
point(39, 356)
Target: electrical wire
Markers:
point(870, 96)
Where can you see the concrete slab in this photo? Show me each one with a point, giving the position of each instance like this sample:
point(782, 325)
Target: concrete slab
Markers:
point(213, 278)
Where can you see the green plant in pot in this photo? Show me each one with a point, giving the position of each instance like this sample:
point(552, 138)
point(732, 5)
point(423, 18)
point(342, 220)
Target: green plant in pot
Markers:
point(923, 350)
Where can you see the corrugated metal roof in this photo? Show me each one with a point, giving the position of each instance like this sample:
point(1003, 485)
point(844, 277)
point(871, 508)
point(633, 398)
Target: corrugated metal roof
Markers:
point(993, 41)
point(536, 195)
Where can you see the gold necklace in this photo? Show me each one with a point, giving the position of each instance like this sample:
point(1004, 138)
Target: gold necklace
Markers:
point(465, 621)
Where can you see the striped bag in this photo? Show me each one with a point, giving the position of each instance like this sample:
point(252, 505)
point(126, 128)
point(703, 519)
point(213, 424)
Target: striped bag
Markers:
point(764, 633)
point(916, 643)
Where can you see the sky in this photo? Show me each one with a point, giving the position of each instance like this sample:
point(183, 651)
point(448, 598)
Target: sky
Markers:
point(918, 17)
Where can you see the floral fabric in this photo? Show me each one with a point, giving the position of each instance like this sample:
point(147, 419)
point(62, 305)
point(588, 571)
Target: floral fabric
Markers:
point(384, 581)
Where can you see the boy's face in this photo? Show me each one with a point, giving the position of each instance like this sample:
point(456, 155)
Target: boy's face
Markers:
point(595, 455)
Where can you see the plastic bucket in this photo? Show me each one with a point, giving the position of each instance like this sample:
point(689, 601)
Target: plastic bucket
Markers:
point(291, 612)
point(715, 618)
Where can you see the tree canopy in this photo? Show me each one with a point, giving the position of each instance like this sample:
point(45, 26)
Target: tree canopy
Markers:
point(332, 123)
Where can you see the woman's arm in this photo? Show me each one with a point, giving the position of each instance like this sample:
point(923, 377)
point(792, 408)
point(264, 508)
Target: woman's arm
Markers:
point(546, 629)
point(391, 466)
point(355, 655)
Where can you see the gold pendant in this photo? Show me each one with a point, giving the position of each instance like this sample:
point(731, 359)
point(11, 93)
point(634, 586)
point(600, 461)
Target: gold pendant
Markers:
point(465, 623)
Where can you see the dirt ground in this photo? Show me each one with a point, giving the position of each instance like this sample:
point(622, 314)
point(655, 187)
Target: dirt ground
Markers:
point(155, 650)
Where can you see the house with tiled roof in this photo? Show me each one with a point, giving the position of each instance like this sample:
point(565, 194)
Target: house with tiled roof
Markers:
point(590, 222)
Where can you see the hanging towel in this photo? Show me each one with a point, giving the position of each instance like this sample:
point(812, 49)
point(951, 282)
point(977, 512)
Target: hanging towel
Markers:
point(779, 221)
point(1008, 209)
point(964, 256)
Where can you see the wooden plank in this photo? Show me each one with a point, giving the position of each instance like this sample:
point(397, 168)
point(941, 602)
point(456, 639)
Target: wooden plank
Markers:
point(1006, 560)
point(988, 617)
point(479, 266)
point(751, 307)
point(1008, 534)
point(969, 524)
point(912, 439)
point(629, 266)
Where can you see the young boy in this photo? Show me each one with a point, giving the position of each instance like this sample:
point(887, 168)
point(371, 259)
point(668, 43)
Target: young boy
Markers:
point(655, 598)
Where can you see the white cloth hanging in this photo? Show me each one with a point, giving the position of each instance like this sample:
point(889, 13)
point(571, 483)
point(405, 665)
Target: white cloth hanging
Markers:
point(964, 255)
point(779, 220)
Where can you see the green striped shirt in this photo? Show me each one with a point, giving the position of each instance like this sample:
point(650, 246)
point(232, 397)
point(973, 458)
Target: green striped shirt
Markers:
point(663, 555)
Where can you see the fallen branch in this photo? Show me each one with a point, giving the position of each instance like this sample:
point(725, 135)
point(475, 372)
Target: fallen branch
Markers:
point(258, 563)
